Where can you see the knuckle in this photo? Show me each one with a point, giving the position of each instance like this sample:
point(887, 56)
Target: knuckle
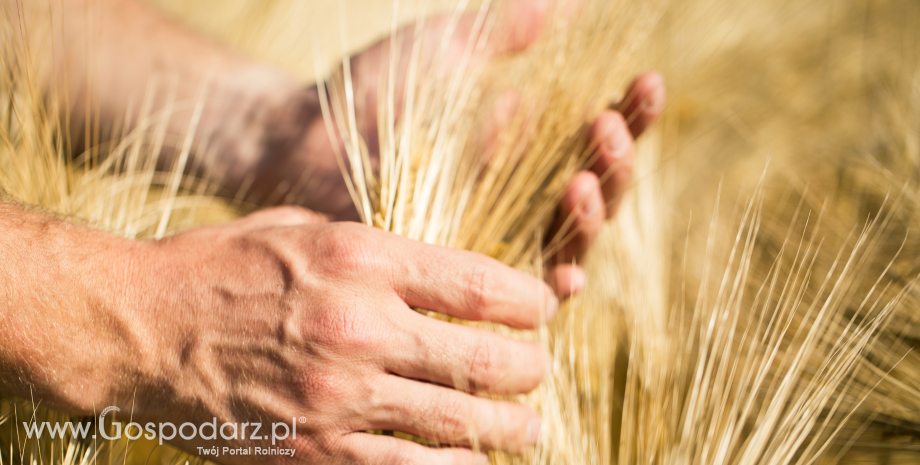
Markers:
point(293, 213)
point(349, 250)
point(328, 444)
point(320, 386)
point(484, 371)
point(481, 291)
point(340, 327)
point(375, 396)
point(452, 420)
point(286, 210)
point(345, 250)
point(311, 450)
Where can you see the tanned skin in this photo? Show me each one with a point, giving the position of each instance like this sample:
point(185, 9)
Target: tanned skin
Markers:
point(291, 311)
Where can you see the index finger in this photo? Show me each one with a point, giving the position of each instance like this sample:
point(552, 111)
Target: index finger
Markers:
point(471, 286)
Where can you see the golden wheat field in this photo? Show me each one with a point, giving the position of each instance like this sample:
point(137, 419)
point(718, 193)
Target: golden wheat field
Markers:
point(755, 300)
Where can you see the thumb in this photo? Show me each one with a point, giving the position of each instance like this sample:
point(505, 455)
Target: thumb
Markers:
point(518, 24)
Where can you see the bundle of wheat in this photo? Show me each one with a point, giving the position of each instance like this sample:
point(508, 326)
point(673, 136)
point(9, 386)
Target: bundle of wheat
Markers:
point(744, 401)
point(765, 363)
point(434, 186)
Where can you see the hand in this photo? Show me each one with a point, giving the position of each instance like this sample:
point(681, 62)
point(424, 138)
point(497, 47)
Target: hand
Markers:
point(265, 133)
point(280, 315)
point(592, 196)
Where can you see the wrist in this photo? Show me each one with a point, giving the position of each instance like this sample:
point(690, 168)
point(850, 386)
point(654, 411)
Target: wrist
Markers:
point(275, 147)
point(256, 116)
point(294, 148)
point(66, 336)
point(114, 350)
point(139, 295)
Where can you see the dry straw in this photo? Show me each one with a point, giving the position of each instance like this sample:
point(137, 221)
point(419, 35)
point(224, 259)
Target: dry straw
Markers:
point(730, 380)
point(761, 336)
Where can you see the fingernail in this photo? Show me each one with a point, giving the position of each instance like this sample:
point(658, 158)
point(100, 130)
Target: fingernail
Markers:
point(533, 431)
point(482, 458)
point(610, 146)
point(618, 139)
point(655, 101)
point(590, 206)
point(552, 304)
point(577, 280)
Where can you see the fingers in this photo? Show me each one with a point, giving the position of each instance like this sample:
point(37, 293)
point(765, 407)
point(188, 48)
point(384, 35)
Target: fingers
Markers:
point(451, 417)
point(472, 287)
point(643, 102)
point(613, 134)
point(595, 195)
point(364, 448)
point(465, 358)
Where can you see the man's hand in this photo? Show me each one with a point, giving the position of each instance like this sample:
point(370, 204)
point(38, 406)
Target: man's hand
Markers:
point(592, 196)
point(266, 134)
point(595, 195)
point(279, 316)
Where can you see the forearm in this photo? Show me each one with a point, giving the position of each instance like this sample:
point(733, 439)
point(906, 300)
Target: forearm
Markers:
point(107, 55)
point(63, 331)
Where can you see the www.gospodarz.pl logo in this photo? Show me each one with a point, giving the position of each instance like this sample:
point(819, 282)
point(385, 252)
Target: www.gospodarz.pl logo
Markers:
point(167, 431)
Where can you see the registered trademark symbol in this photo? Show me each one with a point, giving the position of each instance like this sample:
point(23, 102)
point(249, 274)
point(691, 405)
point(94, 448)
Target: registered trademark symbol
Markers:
point(302, 419)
